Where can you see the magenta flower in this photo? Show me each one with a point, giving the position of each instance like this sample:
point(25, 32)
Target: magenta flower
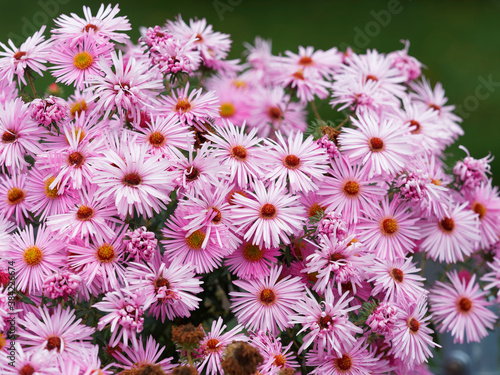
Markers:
point(62, 284)
point(266, 303)
point(250, 261)
point(140, 244)
point(382, 320)
point(461, 308)
point(277, 358)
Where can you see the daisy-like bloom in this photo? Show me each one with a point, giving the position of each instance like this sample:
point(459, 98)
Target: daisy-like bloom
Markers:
point(390, 231)
point(41, 362)
point(103, 26)
point(485, 202)
point(199, 172)
point(322, 62)
point(251, 261)
point(338, 262)
point(214, 343)
point(80, 102)
point(90, 363)
point(349, 190)
point(233, 104)
point(379, 143)
point(210, 210)
point(493, 277)
point(412, 341)
point(397, 279)
point(308, 84)
point(213, 45)
point(77, 63)
point(55, 330)
point(140, 355)
point(277, 359)
point(13, 198)
point(269, 216)
point(6, 227)
point(164, 133)
point(303, 163)
point(453, 237)
point(100, 262)
point(32, 54)
point(171, 286)
point(130, 86)
point(20, 135)
point(461, 309)
point(435, 99)
point(272, 110)
point(91, 218)
point(125, 314)
point(407, 65)
point(137, 181)
point(353, 360)
point(45, 201)
point(35, 257)
point(266, 303)
point(327, 323)
point(240, 151)
point(194, 248)
point(191, 108)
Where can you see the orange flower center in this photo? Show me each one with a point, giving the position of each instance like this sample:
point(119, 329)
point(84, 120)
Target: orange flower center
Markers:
point(9, 136)
point(344, 363)
point(105, 253)
point(351, 188)
point(376, 144)
point(85, 213)
point(78, 107)
point(267, 297)
point(89, 27)
point(305, 61)
point(227, 109)
point(291, 162)
point(464, 304)
point(414, 325)
point(195, 239)
point(252, 253)
point(274, 113)
point(397, 275)
point(389, 226)
point(19, 54)
point(15, 196)
point(416, 125)
point(83, 60)
point(239, 152)
point(279, 360)
point(268, 211)
point(50, 193)
point(315, 209)
point(479, 209)
point(156, 139)
point(182, 105)
point(33, 256)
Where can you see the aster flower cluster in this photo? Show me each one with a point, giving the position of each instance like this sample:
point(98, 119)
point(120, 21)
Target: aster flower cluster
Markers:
point(182, 213)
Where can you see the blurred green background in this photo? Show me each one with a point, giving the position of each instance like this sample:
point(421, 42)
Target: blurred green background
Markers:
point(459, 41)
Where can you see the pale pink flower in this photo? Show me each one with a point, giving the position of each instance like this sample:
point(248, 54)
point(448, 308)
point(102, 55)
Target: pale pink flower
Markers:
point(48, 110)
point(140, 244)
point(408, 66)
point(250, 261)
point(462, 309)
point(277, 358)
point(471, 172)
point(266, 303)
point(40, 362)
point(14, 197)
point(381, 321)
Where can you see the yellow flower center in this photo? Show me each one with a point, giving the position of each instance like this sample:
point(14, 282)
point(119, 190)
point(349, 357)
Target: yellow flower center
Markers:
point(195, 239)
point(15, 196)
point(83, 60)
point(227, 109)
point(33, 256)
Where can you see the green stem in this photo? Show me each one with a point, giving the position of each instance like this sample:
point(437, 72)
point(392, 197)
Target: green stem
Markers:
point(31, 83)
point(342, 123)
point(190, 359)
point(315, 111)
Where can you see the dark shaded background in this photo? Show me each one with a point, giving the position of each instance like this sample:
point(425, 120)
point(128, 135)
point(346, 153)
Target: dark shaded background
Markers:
point(459, 41)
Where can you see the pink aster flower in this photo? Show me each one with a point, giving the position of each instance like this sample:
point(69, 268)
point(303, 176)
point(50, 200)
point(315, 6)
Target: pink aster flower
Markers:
point(171, 286)
point(20, 135)
point(266, 303)
point(338, 262)
point(238, 150)
point(349, 190)
point(322, 62)
point(277, 358)
point(143, 354)
point(308, 84)
point(32, 54)
point(329, 146)
point(6, 227)
point(194, 248)
point(301, 162)
point(138, 181)
point(99, 263)
point(379, 143)
point(91, 218)
point(485, 202)
point(14, 198)
point(62, 284)
point(77, 63)
point(57, 330)
point(125, 314)
point(103, 26)
point(35, 257)
point(250, 261)
point(191, 108)
point(214, 343)
point(407, 65)
point(382, 320)
point(332, 225)
point(462, 309)
point(140, 244)
point(269, 216)
point(389, 230)
point(46, 201)
point(453, 237)
point(412, 341)
point(165, 133)
point(130, 86)
point(353, 360)
point(326, 323)
point(41, 362)
point(397, 279)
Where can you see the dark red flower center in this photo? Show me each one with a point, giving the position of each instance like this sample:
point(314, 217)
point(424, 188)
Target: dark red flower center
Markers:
point(267, 297)
point(89, 27)
point(325, 321)
point(239, 152)
point(336, 257)
point(27, 369)
point(291, 162)
point(416, 127)
point(351, 188)
point(414, 325)
point(192, 173)
point(84, 213)
point(447, 224)
point(76, 159)
point(397, 274)
point(9, 136)
point(53, 342)
point(132, 179)
point(376, 144)
point(371, 77)
point(15, 196)
point(464, 304)
point(19, 54)
point(268, 211)
point(389, 226)
point(274, 113)
point(344, 363)
point(305, 61)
